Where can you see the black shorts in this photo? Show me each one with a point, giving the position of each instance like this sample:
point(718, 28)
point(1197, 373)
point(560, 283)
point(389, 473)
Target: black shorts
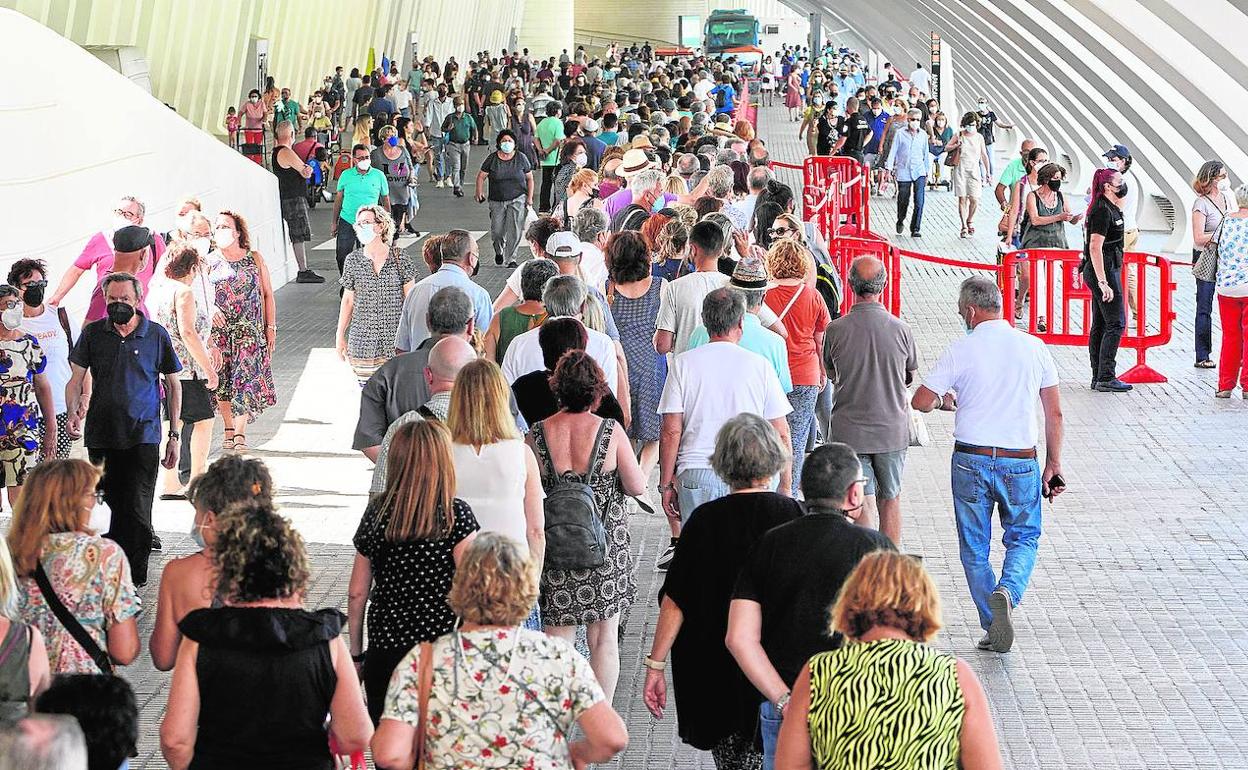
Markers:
point(198, 403)
point(295, 212)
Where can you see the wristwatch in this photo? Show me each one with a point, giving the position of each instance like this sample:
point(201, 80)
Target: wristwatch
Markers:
point(175, 434)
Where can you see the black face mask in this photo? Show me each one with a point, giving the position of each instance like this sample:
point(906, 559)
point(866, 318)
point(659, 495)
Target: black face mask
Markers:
point(120, 313)
point(1055, 184)
point(476, 268)
point(1122, 190)
point(33, 296)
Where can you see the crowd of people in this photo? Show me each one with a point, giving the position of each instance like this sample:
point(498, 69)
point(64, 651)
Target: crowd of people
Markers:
point(674, 318)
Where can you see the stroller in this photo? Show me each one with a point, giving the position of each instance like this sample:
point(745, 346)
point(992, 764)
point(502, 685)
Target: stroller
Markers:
point(318, 189)
point(252, 145)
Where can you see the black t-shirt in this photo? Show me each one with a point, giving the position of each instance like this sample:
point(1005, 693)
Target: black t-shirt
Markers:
point(795, 573)
point(537, 402)
point(987, 120)
point(713, 697)
point(825, 130)
point(855, 129)
point(1105, 219)
point(507, 180)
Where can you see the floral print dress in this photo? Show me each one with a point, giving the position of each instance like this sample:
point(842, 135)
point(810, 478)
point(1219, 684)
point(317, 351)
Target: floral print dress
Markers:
point(91, 575)
point(20, 360)
point(502, 697)
point(246, 373)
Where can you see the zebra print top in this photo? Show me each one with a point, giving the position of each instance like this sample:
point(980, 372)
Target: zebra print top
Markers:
point(891, 703)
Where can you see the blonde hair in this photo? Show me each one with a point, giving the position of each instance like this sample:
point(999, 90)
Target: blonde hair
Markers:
point(592, 314)
point(675, 185)
point(383, 218)
point(49, 502)
point(363, 125)
point(583, 179)
point(788, 259)
point(8, 584)
point(495, 583)
point(479, 413)
point(420, 482)
point(888, 589)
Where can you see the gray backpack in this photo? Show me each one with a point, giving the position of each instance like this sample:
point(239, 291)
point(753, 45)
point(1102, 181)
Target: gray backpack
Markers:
point(575, 536)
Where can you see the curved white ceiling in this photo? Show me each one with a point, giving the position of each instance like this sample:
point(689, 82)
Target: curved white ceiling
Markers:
point(1167, 78)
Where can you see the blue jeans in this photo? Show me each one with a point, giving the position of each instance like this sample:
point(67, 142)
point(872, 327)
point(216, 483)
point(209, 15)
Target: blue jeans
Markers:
point(769, 726)
point(919, 186)
point(1013, 486)
point(344, 242)
point(695, 486)
point(438, 147)
point(1204, 320)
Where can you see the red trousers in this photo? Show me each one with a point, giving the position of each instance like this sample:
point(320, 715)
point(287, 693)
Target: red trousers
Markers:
point(1233, 362)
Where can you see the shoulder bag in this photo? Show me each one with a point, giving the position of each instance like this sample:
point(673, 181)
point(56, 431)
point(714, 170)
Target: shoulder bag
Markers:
point(70, 623)
point(1206, 265)
point(953, 156)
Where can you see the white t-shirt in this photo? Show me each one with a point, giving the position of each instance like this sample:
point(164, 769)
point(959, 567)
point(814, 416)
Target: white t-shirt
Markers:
point(702, 89)
point(524, 355)
point(997, 372)
point(492, 483)
point(921, 80)
point(680, 306)
point(46, 328)
point(710, 385)
point(402, 99)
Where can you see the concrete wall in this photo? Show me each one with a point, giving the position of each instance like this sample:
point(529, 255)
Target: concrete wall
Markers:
point(658, 20)
point(197, 50)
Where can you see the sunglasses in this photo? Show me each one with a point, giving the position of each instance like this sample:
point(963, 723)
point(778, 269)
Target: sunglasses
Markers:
point(779, 232)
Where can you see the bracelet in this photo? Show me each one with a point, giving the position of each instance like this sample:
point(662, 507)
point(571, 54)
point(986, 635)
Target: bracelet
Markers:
point(783, 701)
point(669, 485)
point(652, 664)
point(175, 434)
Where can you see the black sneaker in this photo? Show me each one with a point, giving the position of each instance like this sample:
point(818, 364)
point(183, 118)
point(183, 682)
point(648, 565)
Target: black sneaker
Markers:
point(309, 276)
point(157, 545)
point(498, 259)
point(1113, 386)
point(916, 234)
point(513, 264)
point(901, 226)
point(459, 193)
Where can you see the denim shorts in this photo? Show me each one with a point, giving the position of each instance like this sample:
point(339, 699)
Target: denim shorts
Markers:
point(883, 472)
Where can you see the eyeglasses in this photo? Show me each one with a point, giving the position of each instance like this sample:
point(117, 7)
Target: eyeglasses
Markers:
point(779, 232)
point(98, 494)
point(129, 215)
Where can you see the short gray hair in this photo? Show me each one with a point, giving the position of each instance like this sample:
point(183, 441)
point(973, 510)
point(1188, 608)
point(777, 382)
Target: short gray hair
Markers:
point(650, 179)
point(753, 297)
point(1241, 196)
point(589, 223)
point(564, 295)
point(759, 177)
point(533, 277)
point(864, 285)
point(449, 311)
point(719, 181)
point(981, 293)
point(57, 744)
point(747, 449)
point(722, 311)
point(284, 127)
point(113, 278)
point(726, 156)
point(687, 164)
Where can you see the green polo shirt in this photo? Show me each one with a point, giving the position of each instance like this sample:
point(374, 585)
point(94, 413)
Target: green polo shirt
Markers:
point(360, 190)
point(1012, 172)
point(549, 131)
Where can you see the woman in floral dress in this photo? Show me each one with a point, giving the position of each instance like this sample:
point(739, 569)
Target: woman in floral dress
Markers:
point(24, 395)
point(245, 332)
point(574, 444)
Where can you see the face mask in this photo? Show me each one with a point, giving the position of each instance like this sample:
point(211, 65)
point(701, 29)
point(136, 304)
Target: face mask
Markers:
point(101, 518)
point(1224, 184)
point(876, 111)
point(580, 160)
point(1122, 190)
point(1113, 163)
point(12, 317)
point(983, 107)
point(507, 146)
point(896, 110)
point(319, 113)
point(476, 267)
point(969, 326)
point(120, 313)
point(393, 141)
point(914, 125)
point(118, 223)
point(459, 108)
point(183, 223)
point(202, 245)
point(1055, 184)
point(197, 536)
point(365, 234)
point(33, 296)
point(253, 99)
point(364, 165)
point(225, 238)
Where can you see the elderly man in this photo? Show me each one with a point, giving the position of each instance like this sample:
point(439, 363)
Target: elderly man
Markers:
point(460, 261)
point(446, 358)
point(43, 742)
point(698, 398)
point(292, 190)
point(399, 386)
point(564, 297)
point(566, 248)
point(907, 160)
point(119, 248)
point(129, 358)
point(687, 166)
point(779, 611)
point(993, 378)
point(871, 360)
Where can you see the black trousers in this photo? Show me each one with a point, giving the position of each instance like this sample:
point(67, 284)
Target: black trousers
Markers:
point(548, 184)
point(375, 673)
point(1108, 322)
point(129, 484)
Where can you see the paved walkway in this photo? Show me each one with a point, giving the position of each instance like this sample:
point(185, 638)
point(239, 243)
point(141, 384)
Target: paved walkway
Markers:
point(1132, 641)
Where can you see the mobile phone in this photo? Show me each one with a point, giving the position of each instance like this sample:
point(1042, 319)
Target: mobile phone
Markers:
point(1057, 482)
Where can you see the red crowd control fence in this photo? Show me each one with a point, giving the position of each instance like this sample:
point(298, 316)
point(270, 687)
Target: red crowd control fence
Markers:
point(846, 248)
point(1060, 307)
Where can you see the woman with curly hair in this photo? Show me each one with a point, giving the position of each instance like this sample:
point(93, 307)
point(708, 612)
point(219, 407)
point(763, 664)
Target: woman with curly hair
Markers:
point(255, 677)
point(924, 707)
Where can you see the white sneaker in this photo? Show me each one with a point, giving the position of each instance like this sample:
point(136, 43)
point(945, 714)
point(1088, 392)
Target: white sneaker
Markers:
point(441, 183)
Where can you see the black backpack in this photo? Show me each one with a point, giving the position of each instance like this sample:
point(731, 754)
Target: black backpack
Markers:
point(575, 535)
point(829, 286)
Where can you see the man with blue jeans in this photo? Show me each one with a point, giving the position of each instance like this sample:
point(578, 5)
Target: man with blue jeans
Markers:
point(908, 160)
point(991, 378)
point(779, 612)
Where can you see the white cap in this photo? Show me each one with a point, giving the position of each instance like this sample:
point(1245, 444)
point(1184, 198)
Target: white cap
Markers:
point(563, 245)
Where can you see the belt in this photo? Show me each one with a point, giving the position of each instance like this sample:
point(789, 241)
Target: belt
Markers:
point(992, 451)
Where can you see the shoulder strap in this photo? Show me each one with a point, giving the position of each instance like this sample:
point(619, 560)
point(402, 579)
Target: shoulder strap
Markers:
point(543, 451)
point(70, 622)
point(792, 302)
point(427, 413)
point(601, 442)
point(426, 687)
point(63, 317)
point(16, 632)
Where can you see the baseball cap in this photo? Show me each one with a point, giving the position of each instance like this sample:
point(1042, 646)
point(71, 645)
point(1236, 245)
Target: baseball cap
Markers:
point(563, 245)
point(1117, 151)
point(589, 125)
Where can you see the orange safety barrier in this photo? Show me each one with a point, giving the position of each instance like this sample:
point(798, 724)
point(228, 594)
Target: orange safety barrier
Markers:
point(1059, 295)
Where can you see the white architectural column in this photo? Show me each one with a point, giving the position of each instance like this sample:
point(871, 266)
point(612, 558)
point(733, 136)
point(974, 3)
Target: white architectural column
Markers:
point(547, 27)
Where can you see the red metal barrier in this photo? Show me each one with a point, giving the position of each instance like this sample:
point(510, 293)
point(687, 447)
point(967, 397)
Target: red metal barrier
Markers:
point(845, 249)
point(1058, 294)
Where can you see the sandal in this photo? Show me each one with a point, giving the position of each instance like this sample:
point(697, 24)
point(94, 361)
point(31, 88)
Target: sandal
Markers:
point(227, 443)
point(240, 443)
point(963, 233)
point(970, 229)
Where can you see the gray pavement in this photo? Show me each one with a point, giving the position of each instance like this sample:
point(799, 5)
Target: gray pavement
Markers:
point(1131, 641)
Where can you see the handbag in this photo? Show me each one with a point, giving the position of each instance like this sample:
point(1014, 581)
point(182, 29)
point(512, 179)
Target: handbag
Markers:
point(953, 156)
point(70, 623)
point(1206, 266)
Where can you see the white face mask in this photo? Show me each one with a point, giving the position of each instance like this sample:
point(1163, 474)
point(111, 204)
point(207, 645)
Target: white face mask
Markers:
point(225, 238)
point(580, 160)
point(12, 317)
point(183, 223)
point(365, 234)
point(101, 518)
point(507, 146)
point(202, 245)
point(119, 222)
point(253, 99)
point(364, 165)
point(1224, 184)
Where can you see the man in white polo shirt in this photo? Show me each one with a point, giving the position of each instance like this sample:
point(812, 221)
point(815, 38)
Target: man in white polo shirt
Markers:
point(706, 387)
point(992, 378)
